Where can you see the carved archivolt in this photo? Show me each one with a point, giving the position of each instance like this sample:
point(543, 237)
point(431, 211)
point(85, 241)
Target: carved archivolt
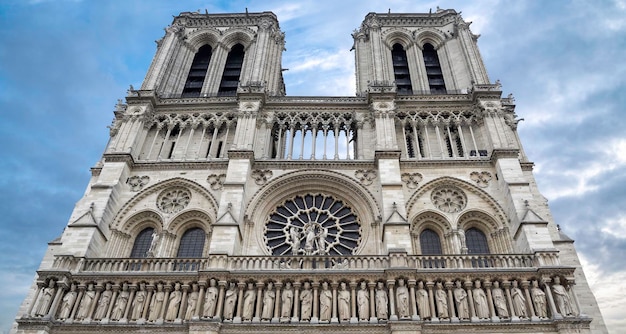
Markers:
point(449, 199)
point(481, 178)
point(136, 183)
point(173, 200)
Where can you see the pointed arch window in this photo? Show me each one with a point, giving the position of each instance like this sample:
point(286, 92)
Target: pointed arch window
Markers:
point(232, 71)
point(197, 73)
point(433, 70)
point(430, 243)
point(192, 243)
point(401, 70)
point(476, 241)
point(142, 243)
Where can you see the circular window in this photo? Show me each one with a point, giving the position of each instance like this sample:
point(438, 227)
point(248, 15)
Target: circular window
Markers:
point(173, 200)
point(449, 199)
point(312, 225)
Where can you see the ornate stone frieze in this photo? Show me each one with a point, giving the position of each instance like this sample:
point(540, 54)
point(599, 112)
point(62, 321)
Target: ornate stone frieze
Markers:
point(366, 177)
point(411, 180)
point(481, 178)
point(216, 181)
point(173, 200)
point(261, 176)
point(136, 182)
point(449, 199)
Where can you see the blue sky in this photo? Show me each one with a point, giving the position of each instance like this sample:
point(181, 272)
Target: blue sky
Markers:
point(64, 64)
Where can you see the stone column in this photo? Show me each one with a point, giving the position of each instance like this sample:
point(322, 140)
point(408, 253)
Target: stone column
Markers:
point(555, 313)
point(392, 300)
point(81, 291)
point(431, 300)
point(315, 317)
point(529, 301)
point(116, 289)
point(94, 304)
point(277, 302)
point(259, 302)
point(56, 301)
point(452, 313)
point(492, 311)
point(183, 304)
point(166, 299)
point(507, 287)
point(353, 319)
point(200, 305)
point(40, 285)
point(296, 302)
point(570, 290)
point(414, 315)
point(237, 318)
point(133, 289)
point(373, 318)
point(470, 301)
point(333, 317)
point(220, 300)
point(146, 304)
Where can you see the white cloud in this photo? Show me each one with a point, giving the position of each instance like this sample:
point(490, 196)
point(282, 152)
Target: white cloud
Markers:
point(616, 227)
point(288, 12)
point(610, 292)
point(321, 60)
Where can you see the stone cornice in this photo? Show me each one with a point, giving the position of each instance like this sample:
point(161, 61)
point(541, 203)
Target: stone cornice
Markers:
point(314, 164)
point(215, 164)
point(460, 162)
point(196, 19)
point(501, 153)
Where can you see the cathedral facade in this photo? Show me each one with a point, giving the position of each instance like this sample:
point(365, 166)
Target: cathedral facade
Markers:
point(222, 205)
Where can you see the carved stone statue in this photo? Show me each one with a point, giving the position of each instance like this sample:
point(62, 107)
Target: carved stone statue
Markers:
point(381, 301)
point(120, 303)
point(192, 302)
point(421, 297)
point(441, 301)
point(287, 301)
point(68, 303)
point(306, 300)
point(174, 303)
point(321, 241)
point(269, 298)
point(499, 300)
point(343, 302)
point(153, 244)
point(402, 299)
point(539, 300)
point(363, 302)
point(156, 304)
point(326, 299)
point(561, 297)
point(138, 303)
point(103, 303)
point(480, 301)
point(230, 299)
point(460, 297)
point(45, 298)
point(210, 300)
point(85, 303)
point(249, 298)
point(310, 238)
point(519, 301)
point(294, 236)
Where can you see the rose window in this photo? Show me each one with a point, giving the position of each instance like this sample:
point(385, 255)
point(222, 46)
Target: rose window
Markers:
point(449, 199)
point(312, 225)
point(173, 200)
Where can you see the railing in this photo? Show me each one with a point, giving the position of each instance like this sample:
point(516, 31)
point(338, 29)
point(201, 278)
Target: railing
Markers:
point(307, 263)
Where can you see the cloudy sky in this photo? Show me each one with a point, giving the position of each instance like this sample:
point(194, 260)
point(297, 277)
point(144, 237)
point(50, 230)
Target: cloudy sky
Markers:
point(63, 65)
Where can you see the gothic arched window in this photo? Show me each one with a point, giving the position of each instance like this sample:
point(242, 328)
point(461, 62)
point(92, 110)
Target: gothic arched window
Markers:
point(197, 73)
point(192, 243)
point(232, 71)
point(430, 243)
point(476, 241)
point(401, 70)
point(433, 70)
point(142, 243)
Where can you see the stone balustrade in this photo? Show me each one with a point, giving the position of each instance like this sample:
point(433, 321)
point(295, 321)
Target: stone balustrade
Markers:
point(308, 263)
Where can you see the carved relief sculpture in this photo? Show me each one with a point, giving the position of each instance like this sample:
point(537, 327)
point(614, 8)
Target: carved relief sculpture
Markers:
point(306, 299)
point(326, 298)
point(103, 303)
point(230, 299)
point(480, 301)
point(402, 299)
point(422, 301)
point(343, 302)
point(210, 300)
point(174, 303)
point(363, 302)
point(67, 303)
point(539, 300)
point(441, 301)
point(85, 303)
point(120, 303)
point(561, 297)
point(45, 299)
point(499, 300)
point(173, 200)
point(192, 302)
point(381, 301)
point(449, 199)
point(269, 298)
point(156, 304)
point(287, 301)
point(460, 297)
point(248, 302)
point(519, 302)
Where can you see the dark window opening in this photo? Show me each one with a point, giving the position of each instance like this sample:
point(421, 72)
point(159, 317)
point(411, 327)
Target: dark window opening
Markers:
point(142, 243)
point(476, 241)
point(232, 71)
point(401, 70)
point(197, 73)
point(219, 149)
point(433, 70)
point(430, 243)
point(192, 243)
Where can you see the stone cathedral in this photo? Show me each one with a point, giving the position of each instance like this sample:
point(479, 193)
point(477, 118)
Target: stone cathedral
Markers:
point(223, 205)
